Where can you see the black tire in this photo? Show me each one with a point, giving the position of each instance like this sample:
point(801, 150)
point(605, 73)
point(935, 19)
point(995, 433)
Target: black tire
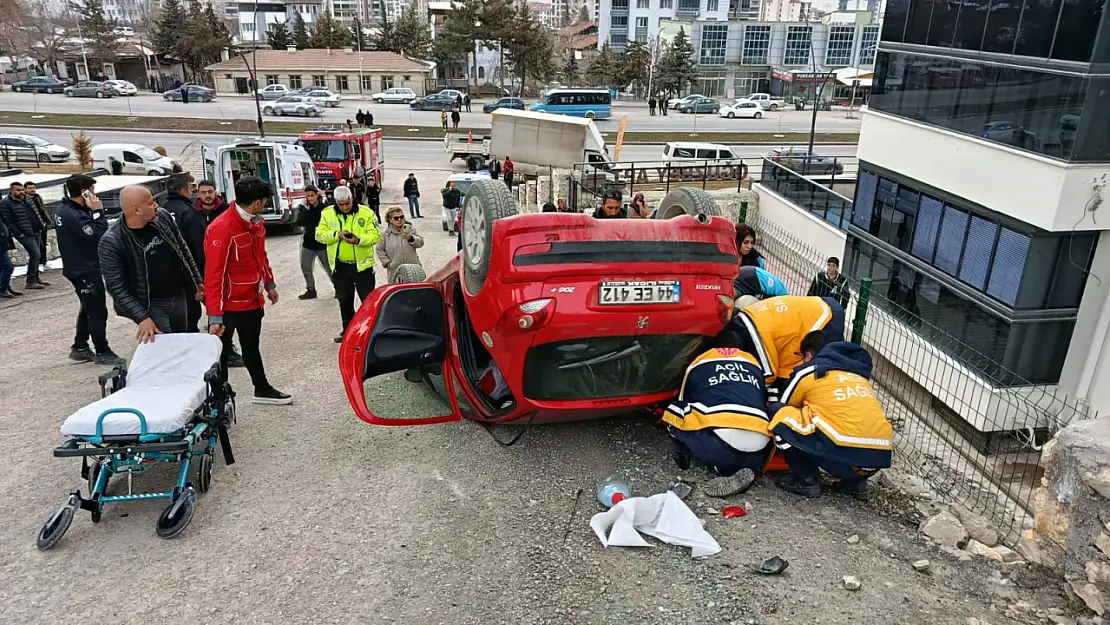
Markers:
point(94, 473)
point(44, 158)
point(204, 471)
point(279, 112)
point(229, 406)
point(17, 89)
point(57, 525)
point(69, 94)
point(686, 201)
point(267, 111)
point(175, 518)
point(410, 273)
point(378, 100)
point(731, 115)
point(714, 110)
point(486, 201)
point(758, 115)
point(302, 112)
point(773, 107)
point(99, 94)
point(590, 115)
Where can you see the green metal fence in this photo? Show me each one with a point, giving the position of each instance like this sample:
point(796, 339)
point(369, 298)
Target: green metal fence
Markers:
point(976, 443)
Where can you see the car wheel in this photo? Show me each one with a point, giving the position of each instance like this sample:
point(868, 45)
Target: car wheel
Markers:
point(378, 100)
point(301, 112)
point(69, 94)
point(410, 273)
point(154, 172)
point(267, 111)
point(714, 110)
point(17, 89)
point(758, 115)
point(590, 115)
point(44, 158)
point(686, 201)
point(486, 201)
point(100, 94)
point(731, 115)
point(773, 107)
point(279, 112)
point(166, 98)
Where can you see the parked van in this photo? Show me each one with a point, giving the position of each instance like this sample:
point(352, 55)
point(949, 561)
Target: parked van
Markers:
point(691, 151)
point(766, 100)
point(285, 165)
point(136, 159)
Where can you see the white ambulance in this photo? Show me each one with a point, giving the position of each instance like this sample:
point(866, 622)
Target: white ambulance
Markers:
point(283, 164)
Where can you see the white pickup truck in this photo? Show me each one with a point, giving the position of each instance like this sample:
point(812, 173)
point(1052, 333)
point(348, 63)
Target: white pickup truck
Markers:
point(766, 100)
point(474, 151)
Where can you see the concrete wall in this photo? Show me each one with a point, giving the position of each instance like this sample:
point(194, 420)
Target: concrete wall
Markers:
point(1087, 367)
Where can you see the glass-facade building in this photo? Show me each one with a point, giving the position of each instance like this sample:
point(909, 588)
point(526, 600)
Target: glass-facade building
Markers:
point(1000, 295)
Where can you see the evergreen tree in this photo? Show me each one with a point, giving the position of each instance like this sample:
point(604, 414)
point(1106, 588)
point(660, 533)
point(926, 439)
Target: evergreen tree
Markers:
point(328, 33)
point(411, 35)
point(298, 31)
point(204, 36)
point(677, 69)
point(456, 41)
point(528, 46)
point(168, 27)
point(358, 36)
point(386, 39)
point(603, 69)
point(278, 36)
point(634, 64)
point(570, 70)
point(97, 30)
point(583, 13)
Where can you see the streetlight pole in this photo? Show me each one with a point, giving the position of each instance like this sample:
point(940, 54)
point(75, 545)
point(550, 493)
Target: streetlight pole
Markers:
point(257, 105)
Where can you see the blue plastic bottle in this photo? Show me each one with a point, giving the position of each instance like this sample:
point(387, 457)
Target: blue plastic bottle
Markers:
point(612, 491)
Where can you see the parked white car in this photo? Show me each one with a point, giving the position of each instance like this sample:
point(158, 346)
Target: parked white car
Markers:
point(323, 97)
point(766, 100)
point(677, 151)
point(742, 108)
point(395, 95)
point(134, 158)
point(123, 87)
point(294, 105)
point(271, 92)
point(674, 103)
point(16, 147)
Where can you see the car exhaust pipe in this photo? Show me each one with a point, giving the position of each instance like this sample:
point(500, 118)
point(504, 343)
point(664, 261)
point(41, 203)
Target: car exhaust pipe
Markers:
point(702, 218)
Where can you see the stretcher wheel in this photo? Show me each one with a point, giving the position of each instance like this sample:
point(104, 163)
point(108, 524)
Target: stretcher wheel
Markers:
point(95, 515)
point(57, 525)
point(94, 473)
point(175, 518)
point(204, 472)
point(229, 406)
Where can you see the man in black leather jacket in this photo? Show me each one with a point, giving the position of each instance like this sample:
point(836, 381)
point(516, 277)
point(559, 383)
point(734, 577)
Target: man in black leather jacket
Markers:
point(148, 268)
point(192, 225)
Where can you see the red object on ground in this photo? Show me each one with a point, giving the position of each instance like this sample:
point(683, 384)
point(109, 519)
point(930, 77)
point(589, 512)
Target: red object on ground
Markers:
point(777, 463)
point(733, 512)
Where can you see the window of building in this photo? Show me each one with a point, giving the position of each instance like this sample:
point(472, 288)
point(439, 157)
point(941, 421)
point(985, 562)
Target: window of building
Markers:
point(839, 49)
point(387, 82)
point(619, 21)
point(642, 4)
point(406, 78)
point(714, 39)
point(797, 45)
point(689, 6)
point(481, 73)
point(641, 22)
point(319, 81)
point(666, 4)
point(869, 45)
point(712, 5)
point(367, 83)
point(341, 83)
point(1030, 109)
point(294, 81)
point(620, 4)
point(757, 43)
point(246, 27)
point(618, 39)
point(272, 79)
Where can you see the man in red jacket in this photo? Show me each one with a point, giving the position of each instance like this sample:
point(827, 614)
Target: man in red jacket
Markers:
point(236, 274)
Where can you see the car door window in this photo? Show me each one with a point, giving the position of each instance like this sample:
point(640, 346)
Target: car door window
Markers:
point(683, 153)
point(725, 154)
point(707, 154)
point(131, 157)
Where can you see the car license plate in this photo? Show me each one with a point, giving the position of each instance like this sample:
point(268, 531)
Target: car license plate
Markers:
point(643, 292)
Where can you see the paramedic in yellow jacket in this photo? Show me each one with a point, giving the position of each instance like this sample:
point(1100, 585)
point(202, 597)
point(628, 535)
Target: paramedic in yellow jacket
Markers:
point(720, 416)
point(829, 419)
point(350, 231)
point(777, 325)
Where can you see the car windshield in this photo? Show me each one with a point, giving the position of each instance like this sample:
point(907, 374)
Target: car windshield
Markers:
point(39, 141)
point(148, 154)
point(333, 150)
point(608, 366)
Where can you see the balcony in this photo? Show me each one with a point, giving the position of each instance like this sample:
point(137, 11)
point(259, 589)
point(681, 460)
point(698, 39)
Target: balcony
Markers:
point(687, 9)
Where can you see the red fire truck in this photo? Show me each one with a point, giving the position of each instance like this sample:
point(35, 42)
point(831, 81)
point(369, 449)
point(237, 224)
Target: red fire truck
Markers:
point(337, 154)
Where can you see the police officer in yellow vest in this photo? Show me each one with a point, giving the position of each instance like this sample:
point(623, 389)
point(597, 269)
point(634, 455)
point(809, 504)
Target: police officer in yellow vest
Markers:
point(350, 231)
point(830, 419)
point(720, 416)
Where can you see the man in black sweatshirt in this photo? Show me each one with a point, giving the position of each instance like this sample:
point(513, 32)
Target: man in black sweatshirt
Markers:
point(192, 224)
point(312, 251)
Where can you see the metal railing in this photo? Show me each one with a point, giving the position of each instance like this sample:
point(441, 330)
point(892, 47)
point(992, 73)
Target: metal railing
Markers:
point(22, 156)
point(977, 445)
point(808, 184)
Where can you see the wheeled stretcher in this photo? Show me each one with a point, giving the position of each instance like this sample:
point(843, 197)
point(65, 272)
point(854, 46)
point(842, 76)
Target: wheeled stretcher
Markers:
point(171, 405)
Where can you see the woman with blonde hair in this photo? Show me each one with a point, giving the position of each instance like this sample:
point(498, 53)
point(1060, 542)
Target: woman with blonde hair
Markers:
point(399, 242)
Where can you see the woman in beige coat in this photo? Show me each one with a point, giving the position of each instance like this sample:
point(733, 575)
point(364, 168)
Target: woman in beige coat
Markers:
point(399, 242)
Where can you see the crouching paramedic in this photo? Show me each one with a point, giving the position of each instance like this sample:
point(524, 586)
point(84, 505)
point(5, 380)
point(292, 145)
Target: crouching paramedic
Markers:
point(758, 283)
point(720, 415)
point(829, 419)
point(776, 326)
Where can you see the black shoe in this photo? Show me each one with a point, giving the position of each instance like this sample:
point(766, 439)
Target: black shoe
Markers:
point(82, 354)
point(33, 286)
point(271, 396)
point(109, 358)
point(41, 283)
point(7, 295)
point(309, 294)
point(856, 488)
point(339, 339)
point(235, 360)
point(806, 487)
point(14, 292)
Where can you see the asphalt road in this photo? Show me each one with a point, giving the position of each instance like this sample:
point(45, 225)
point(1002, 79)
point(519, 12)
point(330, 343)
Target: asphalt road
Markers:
point(399, 153)
point(236, 107)
point(326, 520)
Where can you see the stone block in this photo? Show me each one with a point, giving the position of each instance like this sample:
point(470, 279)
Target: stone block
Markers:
point(1090, 595)
point(978, 528)
point(979, 549)
point(945, 529)
point(1098, 571)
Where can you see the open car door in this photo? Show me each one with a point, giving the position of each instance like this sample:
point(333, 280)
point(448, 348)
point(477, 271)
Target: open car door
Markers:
point(399, 327)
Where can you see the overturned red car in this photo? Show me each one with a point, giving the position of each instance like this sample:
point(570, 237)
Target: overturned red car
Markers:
point(551, 316)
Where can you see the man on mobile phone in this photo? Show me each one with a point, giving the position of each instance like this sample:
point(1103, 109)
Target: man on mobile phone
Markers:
point(350, 231)
point(80, 223)
point(236, 275)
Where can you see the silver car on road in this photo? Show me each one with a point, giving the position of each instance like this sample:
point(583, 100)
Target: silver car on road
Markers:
point(294, 105)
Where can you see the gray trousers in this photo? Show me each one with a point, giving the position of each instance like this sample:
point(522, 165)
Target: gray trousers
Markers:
point(308, 259)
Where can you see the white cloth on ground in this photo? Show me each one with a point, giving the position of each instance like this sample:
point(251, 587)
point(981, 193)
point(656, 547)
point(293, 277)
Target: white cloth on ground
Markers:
point(663, 516)
point(165, 382)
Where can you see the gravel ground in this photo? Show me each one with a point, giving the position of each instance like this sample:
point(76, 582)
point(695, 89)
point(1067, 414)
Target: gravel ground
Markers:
point(325, 519)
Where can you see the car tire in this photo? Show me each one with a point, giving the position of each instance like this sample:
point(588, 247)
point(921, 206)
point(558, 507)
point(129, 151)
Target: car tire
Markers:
point(410, 273)
point(99, 94)
point(154, 172)
point(44, 158)
point(301, 112)
point(17, 89)
point(758, 115)
point(714, 110)
point(731, 115)
point(686, 201)
point(590, 115)
point(773, 107)
point(487, 201)
point(267, 111)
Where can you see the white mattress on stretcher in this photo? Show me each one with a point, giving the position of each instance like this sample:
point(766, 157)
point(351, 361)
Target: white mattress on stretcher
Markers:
point(165, 382)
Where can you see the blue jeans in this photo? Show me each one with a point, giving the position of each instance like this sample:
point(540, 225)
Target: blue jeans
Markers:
point(7, 267)
point(414, 206)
